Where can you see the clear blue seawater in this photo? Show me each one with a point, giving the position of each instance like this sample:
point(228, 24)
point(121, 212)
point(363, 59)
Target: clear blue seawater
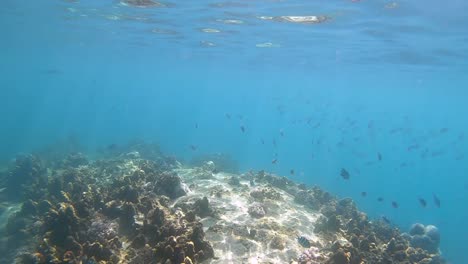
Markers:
point(386, 77)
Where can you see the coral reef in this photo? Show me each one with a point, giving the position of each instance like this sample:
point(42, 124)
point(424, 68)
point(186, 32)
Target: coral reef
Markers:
point(27, 169)
point(134, 205)
point(265, 193)
point(113, 210)
point(169, 184)
point(424, 237)
point(312, 256)
point(257, 211)
point(75, 159)
point(223, 162)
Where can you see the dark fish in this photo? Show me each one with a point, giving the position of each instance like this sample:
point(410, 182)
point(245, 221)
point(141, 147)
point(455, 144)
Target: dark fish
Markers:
point(422, 202)
point(112, 147)
point(379, 156)
point(363, 194)
point(436, 200)
point(413, 147)
point(437, 153)
point(280, 109)
point(193, 147)
point(196, 125)
point(291, 172)
point(345, 174)
point(242, 129)
point(274, 142)
point(263, 142)
point(282, 132)
point(394, 204)
point(274, 161)
point(385, 219)
point(443, 130)
point(380, 199)
point(51, 71)
point(228, 116)
point(304, 241)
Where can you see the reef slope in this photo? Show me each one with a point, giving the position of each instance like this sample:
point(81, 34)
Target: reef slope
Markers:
point(138, 206)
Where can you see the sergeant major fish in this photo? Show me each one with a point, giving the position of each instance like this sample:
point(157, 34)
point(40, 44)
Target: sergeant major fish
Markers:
point(345, 174)
point(304, 241)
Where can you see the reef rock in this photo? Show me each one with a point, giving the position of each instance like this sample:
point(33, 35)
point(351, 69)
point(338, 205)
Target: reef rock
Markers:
point(75, 159)
point(135, 209)
point(202, 207)
point(26, 170)
point(169, 184)
point(425, 237)
point(257, 211)
point(221, 162)
point(262, 194)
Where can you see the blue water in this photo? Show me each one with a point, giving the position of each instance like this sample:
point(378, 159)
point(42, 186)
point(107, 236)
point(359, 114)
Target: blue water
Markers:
point(377, 77)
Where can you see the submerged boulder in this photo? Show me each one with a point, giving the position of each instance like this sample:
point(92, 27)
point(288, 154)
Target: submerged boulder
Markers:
point(26, 170)
point(425, 237)
point(202, 208)
point(257, 210)
point(169, 184)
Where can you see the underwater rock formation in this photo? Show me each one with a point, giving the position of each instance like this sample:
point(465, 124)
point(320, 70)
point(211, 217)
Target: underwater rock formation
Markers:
point(312, 256)
point(129, 209)
point(424, 237)
point(26, 170)
point(257, 211)
point(109, 211)
point(169, 184)
point(75, 159)
point(222, 162)
point(234, 180)
point(265, 193)
point(202, 208)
